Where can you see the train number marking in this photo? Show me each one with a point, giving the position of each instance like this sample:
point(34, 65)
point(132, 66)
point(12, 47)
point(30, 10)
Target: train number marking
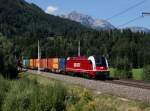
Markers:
point(76, 64)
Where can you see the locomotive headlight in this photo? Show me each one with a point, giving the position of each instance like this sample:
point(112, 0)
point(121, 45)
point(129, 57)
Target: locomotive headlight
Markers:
point(68, 58)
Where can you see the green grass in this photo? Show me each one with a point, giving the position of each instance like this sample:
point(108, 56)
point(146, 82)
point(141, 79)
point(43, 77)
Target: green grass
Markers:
point(37, 93)
point(82, 99)
point(137, 73)
point(112, 72)
point(29, 95)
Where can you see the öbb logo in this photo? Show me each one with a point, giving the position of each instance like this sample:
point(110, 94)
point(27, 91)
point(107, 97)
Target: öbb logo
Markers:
point(76, 64)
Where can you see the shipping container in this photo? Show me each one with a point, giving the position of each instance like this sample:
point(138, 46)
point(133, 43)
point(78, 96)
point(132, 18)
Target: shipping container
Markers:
point(62, 65)
point(31, 64)
point(43, 64)
point(55, 65)
point(34, 63)
point(49, 64)
point(26, 63)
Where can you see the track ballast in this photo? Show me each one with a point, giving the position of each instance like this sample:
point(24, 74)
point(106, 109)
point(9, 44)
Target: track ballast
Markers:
point(132, 83)
point(121, 89)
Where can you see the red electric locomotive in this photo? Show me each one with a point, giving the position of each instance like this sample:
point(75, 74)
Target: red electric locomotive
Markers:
point(93, 66)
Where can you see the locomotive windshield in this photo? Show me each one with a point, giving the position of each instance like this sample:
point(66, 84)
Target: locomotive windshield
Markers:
point(100, 61)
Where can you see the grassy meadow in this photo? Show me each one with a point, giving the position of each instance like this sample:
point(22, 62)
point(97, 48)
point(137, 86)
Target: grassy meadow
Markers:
point(36, 93)
point(136, 73)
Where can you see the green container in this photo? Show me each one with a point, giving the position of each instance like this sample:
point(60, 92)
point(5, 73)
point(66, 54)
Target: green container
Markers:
point(26, 63)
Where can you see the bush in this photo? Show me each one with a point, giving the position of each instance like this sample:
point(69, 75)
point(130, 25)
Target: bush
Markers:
point(123, 68)
point(8, 65)
point(84, 102)
point(27, 95)
point(122, 74)
point(4, 88)
point(146, 73)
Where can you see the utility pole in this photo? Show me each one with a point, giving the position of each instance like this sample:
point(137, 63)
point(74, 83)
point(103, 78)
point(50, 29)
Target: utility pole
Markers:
point(79, 49)
point(39, 57)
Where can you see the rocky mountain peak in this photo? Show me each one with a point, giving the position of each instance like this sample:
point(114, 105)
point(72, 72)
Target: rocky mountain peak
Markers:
point(88, 21)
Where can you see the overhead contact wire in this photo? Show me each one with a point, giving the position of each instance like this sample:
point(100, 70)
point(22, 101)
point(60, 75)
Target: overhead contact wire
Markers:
point(139, 17)
point(126, 10)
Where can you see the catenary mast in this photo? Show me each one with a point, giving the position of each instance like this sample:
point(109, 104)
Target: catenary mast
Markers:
point(39, 56)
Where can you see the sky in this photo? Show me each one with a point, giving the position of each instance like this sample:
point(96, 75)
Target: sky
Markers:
point(100, 9)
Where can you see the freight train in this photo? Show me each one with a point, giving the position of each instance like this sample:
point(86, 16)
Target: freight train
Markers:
point(91, 67)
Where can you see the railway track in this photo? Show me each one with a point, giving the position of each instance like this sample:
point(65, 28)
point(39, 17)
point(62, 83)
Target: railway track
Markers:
point(132, 83)
point(136, 90)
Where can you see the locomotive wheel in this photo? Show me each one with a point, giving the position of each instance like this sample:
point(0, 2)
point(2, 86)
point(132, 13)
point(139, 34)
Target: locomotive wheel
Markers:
point(72, 74)
point(87, 76)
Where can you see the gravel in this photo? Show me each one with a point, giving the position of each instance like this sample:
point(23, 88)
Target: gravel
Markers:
point(103, 87)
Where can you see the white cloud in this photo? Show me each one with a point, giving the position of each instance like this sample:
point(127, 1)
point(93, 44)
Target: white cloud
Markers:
point(51, 9)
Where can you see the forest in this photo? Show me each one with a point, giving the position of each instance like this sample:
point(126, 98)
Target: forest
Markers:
point(114, 44)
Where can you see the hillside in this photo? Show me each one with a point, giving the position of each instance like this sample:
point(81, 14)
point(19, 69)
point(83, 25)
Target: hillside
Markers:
point(24, 24)
point(17, 17)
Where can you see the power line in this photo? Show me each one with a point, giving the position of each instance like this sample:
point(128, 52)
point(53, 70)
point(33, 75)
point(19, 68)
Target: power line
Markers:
point(126, 10)
point(139, 17)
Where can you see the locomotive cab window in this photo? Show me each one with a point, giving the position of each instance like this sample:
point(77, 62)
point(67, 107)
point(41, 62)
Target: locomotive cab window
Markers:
point(90, 61)
point(100, 61)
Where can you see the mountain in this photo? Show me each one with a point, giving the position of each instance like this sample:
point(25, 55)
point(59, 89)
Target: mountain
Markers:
point(139, 29)
point(19, 18)
point(88, 21)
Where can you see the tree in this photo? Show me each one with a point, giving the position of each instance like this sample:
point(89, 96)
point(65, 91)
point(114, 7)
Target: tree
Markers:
point(8, 62)
point(146, 73)
point(123, 68)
